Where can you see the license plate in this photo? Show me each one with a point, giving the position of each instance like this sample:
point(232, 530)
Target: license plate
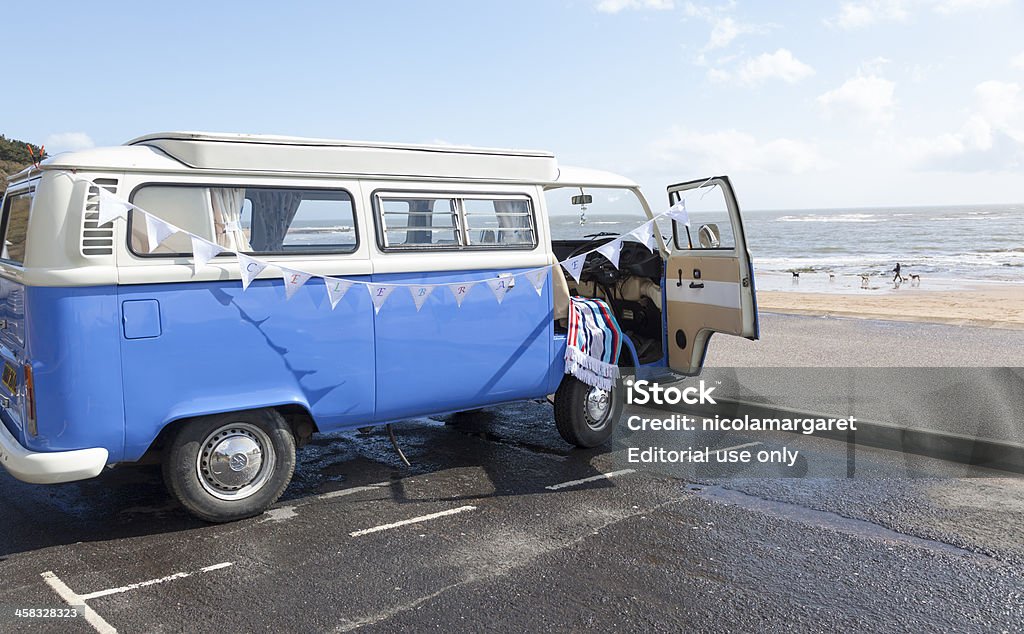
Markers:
point(10, 378)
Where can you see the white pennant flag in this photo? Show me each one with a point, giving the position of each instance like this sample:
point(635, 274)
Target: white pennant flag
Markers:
point(499, 286)
point(203, 251)
point(157, 230)
point(379, 294)
point(460, 290)
point(250, 268)
point(645, 235)
point(420, 294)
point(537, 278)
point(293, 281)
point(336, 289)
point(678, 213)
point(110, 207)
point(575, 265)
point(611, 251)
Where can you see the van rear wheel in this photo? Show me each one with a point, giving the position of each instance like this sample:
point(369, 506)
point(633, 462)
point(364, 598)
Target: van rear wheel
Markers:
point(584, 415)
point(227, 467)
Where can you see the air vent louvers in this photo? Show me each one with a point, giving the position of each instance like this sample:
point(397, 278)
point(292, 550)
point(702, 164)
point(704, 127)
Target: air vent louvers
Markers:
point(97, 239)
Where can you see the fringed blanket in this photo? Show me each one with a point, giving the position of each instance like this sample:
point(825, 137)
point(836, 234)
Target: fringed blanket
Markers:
point(592, 353)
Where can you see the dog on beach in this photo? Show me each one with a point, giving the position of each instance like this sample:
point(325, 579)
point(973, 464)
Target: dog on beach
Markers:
point(864, 280)
point(831, 277)
point(915, 280)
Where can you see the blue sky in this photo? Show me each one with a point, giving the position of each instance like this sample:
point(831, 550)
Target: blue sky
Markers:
point(822, 104)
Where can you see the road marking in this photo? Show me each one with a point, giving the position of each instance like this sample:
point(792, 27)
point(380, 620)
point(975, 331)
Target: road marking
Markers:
point(91, 617)
point(603, 476)
point(95, 620)
point(749, 444)
point(153, 582)
point(414, 520)
point(342, 492)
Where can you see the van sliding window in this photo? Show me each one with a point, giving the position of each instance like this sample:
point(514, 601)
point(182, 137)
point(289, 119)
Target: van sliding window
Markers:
point(414, 221)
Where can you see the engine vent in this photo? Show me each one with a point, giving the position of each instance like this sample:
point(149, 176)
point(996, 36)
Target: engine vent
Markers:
point(97, 239)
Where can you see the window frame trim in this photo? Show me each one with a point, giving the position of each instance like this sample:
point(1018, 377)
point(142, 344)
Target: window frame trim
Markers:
point(229, 253)
point(459, 196)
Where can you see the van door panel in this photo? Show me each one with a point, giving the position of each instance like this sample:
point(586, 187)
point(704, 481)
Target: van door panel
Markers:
point(707, 290)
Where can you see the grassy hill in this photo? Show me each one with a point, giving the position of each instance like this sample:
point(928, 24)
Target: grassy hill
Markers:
point(14, 157)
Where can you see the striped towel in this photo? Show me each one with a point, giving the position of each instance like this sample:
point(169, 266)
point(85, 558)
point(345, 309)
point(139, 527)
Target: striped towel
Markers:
point(592, 350)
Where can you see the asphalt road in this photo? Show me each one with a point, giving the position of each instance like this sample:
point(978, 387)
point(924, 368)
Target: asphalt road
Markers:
point(508, 539)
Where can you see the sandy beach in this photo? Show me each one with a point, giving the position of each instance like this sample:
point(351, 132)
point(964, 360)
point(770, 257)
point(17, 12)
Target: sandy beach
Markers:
point(993, 307)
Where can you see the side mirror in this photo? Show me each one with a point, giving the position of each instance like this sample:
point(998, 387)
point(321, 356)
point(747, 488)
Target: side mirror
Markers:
point(582, 199)
point(709, 237)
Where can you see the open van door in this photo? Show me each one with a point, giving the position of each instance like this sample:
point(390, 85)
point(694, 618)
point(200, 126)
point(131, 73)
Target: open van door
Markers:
point(709, 280)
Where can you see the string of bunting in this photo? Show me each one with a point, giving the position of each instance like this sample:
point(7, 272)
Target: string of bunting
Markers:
point(158, 230)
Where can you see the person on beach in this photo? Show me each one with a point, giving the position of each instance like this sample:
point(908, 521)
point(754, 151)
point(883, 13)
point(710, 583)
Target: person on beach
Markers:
point(897, 276)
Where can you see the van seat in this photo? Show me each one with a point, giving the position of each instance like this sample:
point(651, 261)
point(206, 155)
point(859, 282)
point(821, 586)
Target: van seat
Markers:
point(559, 290)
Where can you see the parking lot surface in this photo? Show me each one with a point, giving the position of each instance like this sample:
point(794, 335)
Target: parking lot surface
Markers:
point(500, 525)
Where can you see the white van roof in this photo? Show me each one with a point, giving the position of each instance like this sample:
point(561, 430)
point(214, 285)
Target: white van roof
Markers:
point(248, 153)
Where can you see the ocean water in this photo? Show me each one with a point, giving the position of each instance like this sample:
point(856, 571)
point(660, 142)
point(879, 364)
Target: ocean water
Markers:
point(948, 247)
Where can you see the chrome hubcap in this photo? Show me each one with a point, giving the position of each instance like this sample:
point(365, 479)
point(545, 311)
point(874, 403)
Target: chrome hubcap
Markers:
point(598, 407)
point(235, 461)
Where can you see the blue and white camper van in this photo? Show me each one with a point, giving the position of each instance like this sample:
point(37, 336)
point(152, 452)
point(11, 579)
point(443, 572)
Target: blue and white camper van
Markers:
point(112, 351)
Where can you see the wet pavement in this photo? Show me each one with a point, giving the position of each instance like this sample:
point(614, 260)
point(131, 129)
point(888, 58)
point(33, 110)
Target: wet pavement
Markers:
point(499, 525)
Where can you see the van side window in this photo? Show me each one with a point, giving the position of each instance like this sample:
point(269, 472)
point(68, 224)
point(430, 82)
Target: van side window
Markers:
point(15, 226)
point(426, 222)
point(258, 220)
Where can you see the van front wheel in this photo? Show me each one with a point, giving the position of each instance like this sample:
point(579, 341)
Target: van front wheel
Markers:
point(585, 416)
point(227, 467)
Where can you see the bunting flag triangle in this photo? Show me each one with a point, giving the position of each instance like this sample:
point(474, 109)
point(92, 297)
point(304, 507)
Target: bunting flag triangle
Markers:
point(336, 289)
point(379, 294)
point(611, 251)
point(678, 213)
point(110, 207)
point(293, 280)
point(203, 251)
point(420, 294)
point(537, 277)
point(574, 266)
point(460, 290)
point(499, 286)
point(645, 235)
point(157, 231)
point(249, 268)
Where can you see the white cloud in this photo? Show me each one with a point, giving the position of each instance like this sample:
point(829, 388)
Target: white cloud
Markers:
point(990, 140)
point(867, 97)
point(855, 15)
point(862, 13)
point(778, 65)
point(615, 6)
point(1018, 62)
point(68, 142)
point(954, 6)
point(724, 28)
point(735, 151)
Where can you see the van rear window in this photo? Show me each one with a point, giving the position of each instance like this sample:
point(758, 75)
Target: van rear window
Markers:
point(258, 220)
point(15, 226)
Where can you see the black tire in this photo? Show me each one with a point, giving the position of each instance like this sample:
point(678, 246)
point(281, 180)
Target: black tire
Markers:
point(205, 481)
point(571, 415)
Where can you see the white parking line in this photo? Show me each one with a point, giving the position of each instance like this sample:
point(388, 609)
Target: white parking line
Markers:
point(343, 492)
point(603, 476)
point(749, 444)
point(95, 620)
point(414, 520)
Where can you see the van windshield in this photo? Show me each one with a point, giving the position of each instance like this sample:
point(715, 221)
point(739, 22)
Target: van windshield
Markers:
point(15, 226)
point(577, 212)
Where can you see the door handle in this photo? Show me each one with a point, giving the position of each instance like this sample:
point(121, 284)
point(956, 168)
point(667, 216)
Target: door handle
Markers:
point(696, 284)
point(680, 282)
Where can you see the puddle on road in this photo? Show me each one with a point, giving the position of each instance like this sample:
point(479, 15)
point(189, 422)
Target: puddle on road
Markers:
point(825, 519)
